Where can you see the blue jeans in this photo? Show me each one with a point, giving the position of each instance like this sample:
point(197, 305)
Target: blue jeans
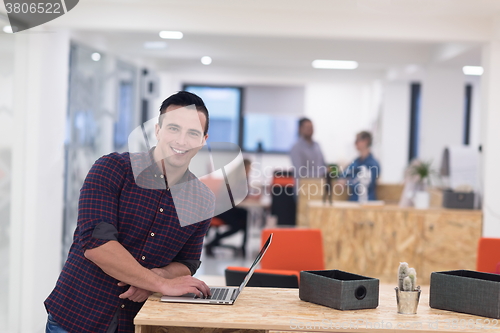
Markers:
point(53, 327)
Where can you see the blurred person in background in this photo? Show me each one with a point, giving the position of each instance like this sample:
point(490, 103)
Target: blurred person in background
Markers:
point(306, 155)
point(365, 167)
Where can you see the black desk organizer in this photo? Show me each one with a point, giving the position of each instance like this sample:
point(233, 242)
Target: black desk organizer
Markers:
point(339, 290)
point(465, 291)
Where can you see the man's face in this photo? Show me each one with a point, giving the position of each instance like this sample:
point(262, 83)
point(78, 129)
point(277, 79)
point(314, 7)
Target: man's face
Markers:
point(180, 136)
point(361, 144)
point(306, 130)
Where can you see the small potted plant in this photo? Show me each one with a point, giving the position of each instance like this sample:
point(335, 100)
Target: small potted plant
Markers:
point(407, 291)
point(421, 170)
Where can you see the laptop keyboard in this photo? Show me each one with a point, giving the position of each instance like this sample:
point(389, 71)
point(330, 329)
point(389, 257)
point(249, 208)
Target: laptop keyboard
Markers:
point(218, 293)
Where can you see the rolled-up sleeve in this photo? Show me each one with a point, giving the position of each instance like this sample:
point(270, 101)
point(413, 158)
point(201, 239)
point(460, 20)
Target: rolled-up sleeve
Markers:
point(98, 205)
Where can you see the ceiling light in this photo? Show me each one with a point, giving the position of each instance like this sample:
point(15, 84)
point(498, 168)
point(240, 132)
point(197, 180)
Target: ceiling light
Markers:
point(7, 29)
point(155, 45)
point(335, 64)
point(95, 56)
point(171, 34)
point(206, 60)
point(473, 70)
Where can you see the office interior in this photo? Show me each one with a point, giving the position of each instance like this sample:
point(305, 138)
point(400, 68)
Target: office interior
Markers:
point(72, 90)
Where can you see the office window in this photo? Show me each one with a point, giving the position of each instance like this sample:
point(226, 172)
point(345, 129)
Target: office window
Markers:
point(275, 133)
point(467, 113)
point(414, 120)
point(224, 107)
point(123, 125)
point(271, 114)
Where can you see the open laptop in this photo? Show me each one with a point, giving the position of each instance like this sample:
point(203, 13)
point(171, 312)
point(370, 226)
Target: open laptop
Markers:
point(221, 295)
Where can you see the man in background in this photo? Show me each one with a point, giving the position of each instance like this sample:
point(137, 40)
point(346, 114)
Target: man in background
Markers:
point(306, 155)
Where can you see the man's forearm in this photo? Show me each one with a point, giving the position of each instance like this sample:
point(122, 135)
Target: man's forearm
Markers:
point(172, 270)
point(117, 262)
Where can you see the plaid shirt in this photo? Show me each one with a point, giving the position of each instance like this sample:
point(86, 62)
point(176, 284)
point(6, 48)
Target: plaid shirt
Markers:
point(85, 298)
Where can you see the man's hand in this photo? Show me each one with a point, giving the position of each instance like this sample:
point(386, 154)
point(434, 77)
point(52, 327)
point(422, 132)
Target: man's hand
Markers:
point(175, 287)
point(137, 294)
point(134, 294)
point(185, 284)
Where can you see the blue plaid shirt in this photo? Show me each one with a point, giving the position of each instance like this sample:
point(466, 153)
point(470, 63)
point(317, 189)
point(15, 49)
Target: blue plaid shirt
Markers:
point(85, 299)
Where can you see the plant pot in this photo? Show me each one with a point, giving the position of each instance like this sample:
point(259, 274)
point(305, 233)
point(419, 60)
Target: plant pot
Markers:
point(407, 301)
point(422, 200)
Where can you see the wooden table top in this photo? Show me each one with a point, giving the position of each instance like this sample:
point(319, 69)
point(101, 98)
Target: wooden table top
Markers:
point(281, 310)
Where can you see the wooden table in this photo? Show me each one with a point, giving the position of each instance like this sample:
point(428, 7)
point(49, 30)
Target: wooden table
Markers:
point(264, 309)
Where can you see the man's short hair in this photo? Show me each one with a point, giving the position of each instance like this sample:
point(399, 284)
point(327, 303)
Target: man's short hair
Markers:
point(303, 120)
point(185, 98)
point(365, 135)
point(247, 162)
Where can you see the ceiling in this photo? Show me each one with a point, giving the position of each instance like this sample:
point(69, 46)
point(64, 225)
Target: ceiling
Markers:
point(287, 35)
point(283, 52)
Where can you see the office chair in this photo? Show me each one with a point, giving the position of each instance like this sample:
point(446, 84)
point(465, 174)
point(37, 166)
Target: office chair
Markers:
point(292, 250)
point(283, 203)
point(488, 255)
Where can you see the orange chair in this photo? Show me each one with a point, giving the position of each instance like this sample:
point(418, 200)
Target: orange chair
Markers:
point(292, 250)
point(488, 255)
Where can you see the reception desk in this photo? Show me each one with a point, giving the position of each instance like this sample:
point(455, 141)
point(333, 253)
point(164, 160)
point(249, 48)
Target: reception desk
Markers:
point(372, 240)
point(310, 189)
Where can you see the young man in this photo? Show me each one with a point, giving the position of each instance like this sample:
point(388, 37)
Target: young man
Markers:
point(129, 241)
point(365, 166)
point(306, 155)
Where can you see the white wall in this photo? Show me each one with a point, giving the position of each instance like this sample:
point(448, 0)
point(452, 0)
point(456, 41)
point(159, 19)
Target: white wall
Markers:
point(490, 99)
point(442, 112)
point(6, 141)
point(475, 138)
point(277, 100)
point(339, 111)
point(40, 90)
point(394, 131)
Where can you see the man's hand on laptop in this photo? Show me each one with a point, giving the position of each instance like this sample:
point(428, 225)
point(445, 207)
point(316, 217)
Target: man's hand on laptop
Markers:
point(176, 287)
point(185, 285)
point(137, 294)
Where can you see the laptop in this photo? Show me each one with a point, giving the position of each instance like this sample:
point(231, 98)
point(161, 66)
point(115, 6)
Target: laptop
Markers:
point(221, 295)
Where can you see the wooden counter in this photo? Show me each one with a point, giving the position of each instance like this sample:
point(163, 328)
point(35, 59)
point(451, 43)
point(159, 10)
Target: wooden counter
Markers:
point(311, 189)
point(264, 309)
point(372, 240)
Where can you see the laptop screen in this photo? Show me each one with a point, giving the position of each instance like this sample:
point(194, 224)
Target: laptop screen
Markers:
point(255, 263)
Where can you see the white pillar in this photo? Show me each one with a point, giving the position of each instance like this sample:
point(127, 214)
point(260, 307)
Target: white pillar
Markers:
point(395, 123)
point(442, 112)
point(40, 106)
point(490, 120)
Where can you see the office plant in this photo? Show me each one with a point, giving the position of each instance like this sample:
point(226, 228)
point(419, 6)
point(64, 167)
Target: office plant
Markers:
point(407, 291)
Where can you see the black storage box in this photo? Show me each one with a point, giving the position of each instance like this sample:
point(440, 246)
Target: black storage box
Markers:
point(458, 200)
point(465, 291)
point(339, 290)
